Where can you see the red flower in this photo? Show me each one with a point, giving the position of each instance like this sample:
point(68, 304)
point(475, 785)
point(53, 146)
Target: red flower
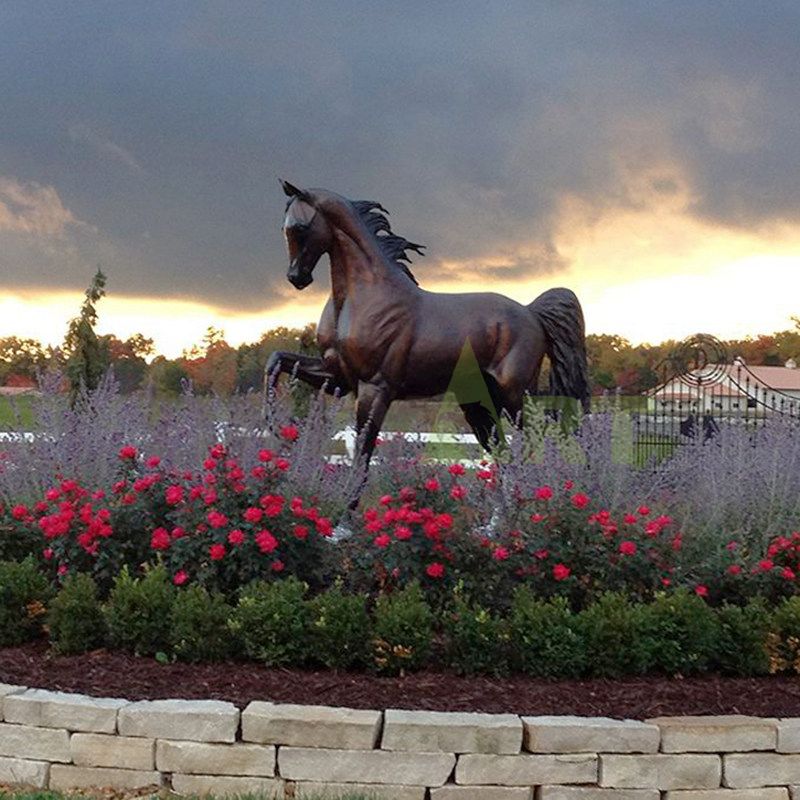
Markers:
point(173, 494)
point(537, 517)
point(386, 500)
point(216, 519)
point(266, 541)
point(432, 485)
point(282, 464)
point(19, 512)
point(766, 564)
point(217, 552)
point(644, 510)
point(629, 519)
point(435, 570)
point(701, 591)
point(128, 452)
point(153, 462)
point(384, 540)
point(734, 569)
point(568, 485)
point(788, 573)
point(561, 572)
point(180, 577)
point(290, 433)
point(580, 500)
point(277, 565)
point(500, 554)
point(47, 554)
point(543, 493)
point(627, 548)
point(301, 532)
point(402, 533)
point(456, 469)
point(265, 455)
point(253, 514)
point(541, 554)
point(160, 539)
point(236, 536)
point(458, 492)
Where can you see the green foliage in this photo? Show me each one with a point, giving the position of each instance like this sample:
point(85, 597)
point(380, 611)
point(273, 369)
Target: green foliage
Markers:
point(24, 594)
point(403, 628)
point(612, 631)
point(680, 634)
point(783, 642)
point(743, 634)
point(200, 625)
point(271, 620)
point(340, 629)
point(546, 639)
point(139, 612)
point(75, 620)
point(477, 641)
point(86, 358)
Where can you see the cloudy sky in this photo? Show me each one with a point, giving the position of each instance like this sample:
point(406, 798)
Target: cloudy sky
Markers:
point(643, 153)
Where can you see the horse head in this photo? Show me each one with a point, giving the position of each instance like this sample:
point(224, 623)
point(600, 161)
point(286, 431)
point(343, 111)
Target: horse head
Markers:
point(308, 235)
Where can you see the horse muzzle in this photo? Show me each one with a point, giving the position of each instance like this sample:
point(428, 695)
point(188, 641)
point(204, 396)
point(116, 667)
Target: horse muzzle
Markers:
point(299, 278)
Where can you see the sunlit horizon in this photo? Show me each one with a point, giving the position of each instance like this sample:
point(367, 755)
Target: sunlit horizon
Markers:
point(648, 275)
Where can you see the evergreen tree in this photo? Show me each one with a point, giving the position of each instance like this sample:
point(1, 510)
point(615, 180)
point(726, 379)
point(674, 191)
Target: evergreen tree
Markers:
point(87, 359)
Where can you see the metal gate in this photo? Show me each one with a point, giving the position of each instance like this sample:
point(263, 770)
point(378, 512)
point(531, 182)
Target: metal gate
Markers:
point(701, 390)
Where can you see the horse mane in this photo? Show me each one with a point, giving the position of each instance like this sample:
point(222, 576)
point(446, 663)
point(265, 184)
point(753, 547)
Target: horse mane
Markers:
point(394, 247)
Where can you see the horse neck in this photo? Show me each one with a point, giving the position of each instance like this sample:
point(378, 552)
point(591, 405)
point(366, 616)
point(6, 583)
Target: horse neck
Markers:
point(359, 265)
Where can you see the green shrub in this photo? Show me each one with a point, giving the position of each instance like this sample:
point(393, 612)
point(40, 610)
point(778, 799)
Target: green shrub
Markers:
point(75, 621)
point(783, 640)
point(271, 620)
point(612, 631)
point(340, 628)
point(742, 645)
point(546, 639)
point(24, 594)
point(139, 612)
point(200, 625)
point(403, 628)
point(680, 634)
point(476, 640)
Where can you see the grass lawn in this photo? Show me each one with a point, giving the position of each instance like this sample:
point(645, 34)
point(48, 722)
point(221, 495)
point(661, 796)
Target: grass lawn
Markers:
point(10, 409)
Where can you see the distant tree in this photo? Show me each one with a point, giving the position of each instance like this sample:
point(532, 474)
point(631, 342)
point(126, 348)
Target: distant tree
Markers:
point(168, 375)
point(212, 365)
point(86, 359)
point(20, 360)
point(127, 359)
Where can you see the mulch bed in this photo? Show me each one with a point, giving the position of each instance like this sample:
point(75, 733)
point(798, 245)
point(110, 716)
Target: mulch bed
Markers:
point(114, 674)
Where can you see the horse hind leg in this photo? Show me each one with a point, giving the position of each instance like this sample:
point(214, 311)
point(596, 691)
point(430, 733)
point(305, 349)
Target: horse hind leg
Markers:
point(483, 424)
point(485, 420)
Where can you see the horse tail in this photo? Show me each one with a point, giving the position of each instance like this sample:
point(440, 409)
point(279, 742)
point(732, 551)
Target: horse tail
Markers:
point(562, 319)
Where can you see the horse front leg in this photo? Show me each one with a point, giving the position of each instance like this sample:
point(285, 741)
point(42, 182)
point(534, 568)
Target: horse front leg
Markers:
point(372, 404)
point(313, 370)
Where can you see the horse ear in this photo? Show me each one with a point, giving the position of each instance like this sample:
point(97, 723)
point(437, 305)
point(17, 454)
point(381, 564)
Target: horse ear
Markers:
point(289, 190)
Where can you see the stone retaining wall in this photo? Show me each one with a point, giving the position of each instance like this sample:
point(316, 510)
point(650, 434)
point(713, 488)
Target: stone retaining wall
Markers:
point(70, 741)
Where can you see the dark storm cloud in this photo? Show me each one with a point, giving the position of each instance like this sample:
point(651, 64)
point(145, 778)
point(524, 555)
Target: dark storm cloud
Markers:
point(162, 128)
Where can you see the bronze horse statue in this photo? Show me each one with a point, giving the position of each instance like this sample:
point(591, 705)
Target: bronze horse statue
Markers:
point(385, 338)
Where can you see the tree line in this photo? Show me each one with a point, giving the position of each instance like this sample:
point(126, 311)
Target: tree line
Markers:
point(214, 366)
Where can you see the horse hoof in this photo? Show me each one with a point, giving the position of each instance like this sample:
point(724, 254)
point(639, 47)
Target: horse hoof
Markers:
point(492, 527)
point(342, 531)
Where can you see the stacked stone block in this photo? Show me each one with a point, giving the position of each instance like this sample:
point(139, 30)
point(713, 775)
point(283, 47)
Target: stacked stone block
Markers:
point(69, 741)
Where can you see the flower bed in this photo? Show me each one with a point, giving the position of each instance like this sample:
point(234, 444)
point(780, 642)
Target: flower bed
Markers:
point(197, 565)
